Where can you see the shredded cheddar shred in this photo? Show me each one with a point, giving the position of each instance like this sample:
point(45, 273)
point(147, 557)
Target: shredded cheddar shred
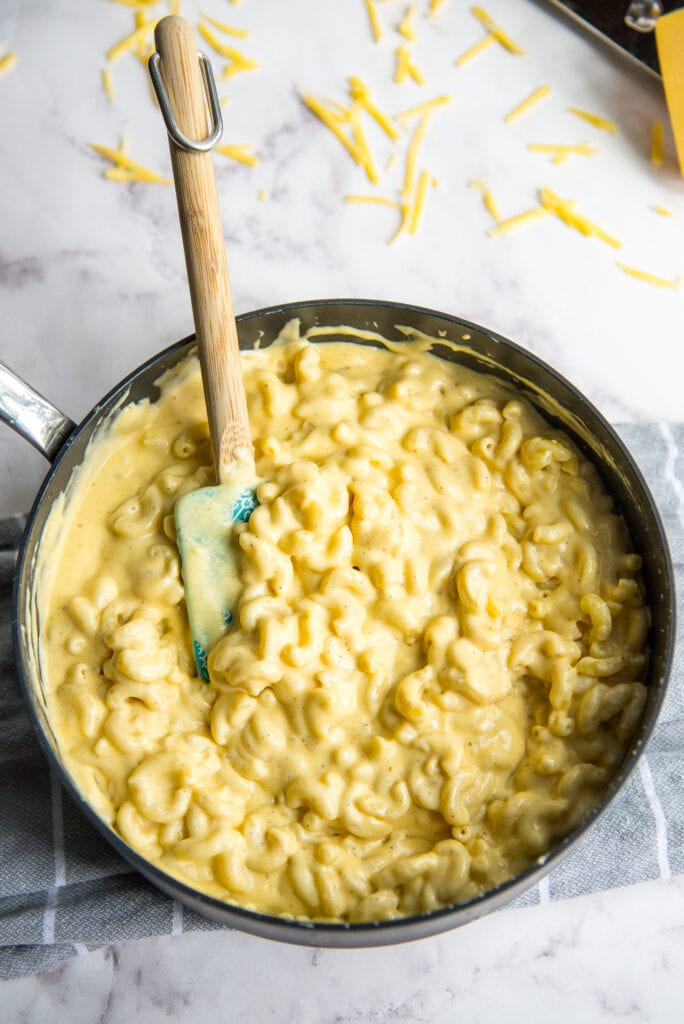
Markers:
point(474, 50)
point(376, 27)
point(419, 201)
point(7, 62)
point(527, 104)
point(240, 152)
point(559, 153)
point(645, 275)
point(238, 61)
point(495, 34)
point(373, 200)
point(594, 119)
point(107, 84)
point(423, 108)
point(223, 48)
point(130, 42)
point(495, 30)
point(409, 193)
point(335, 117)
point(124, 168)
point(412, 155)
point(229, 30)
point(520, 220)
point(360, 92)
point(361, 142)
point(406, 67)
point(406, 26)
point(487, 199)
point(565, 210)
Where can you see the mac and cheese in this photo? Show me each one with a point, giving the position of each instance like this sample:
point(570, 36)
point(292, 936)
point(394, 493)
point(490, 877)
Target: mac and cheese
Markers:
point(435, 661)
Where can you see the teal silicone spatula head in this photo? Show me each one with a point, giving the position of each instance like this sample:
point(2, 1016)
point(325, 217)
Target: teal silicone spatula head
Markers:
point(205, 518)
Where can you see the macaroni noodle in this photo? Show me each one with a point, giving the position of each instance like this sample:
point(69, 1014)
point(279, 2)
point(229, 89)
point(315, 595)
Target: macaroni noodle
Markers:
point(435, 661)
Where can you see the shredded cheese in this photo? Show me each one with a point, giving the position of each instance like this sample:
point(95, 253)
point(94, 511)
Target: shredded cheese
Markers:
point(107, 84)
point(594, 119)
point(376, 200)
point(362, 147)
point(406, 67)
point(564, 210)
point(262, 195)
point(423, 108)
point(216, 44)
point(434, 7)
point(657, 143)
point(376, 27)
point(230, 30)
point(126, 169)
point(495, 30)
point(145, 48)
point(240, 152)
point(419, 201)
point(135, 3)
point(487, 198)
point(333, 117)
point(408, 198)
point(131, 41)
point(645, 275)
point(239, 62)
point(406, 27)
point(559, 154)
point(518, 221)
point(661, 210)
point(405, 208)
point(412, 154)
point(481, 45)
point(360, 92)
point(237, 66)
point(7, 62)
point(527, 103)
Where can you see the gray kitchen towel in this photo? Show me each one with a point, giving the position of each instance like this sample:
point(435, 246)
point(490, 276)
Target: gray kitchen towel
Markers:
point(63, 891)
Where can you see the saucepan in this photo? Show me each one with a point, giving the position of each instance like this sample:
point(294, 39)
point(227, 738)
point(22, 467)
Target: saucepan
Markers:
point(64, 444)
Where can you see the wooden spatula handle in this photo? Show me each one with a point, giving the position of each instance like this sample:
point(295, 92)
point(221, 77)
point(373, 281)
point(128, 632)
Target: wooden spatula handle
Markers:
point(205, 251)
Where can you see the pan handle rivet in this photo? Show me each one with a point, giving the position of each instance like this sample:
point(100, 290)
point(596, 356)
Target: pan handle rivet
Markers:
point(642, 15)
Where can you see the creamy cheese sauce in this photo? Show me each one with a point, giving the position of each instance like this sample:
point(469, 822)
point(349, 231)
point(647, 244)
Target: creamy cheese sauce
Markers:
point(436, 659)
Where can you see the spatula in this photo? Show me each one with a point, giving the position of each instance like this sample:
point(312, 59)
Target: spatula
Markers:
point(205, 517)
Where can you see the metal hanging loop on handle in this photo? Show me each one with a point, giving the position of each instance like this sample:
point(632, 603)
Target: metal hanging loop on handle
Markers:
point(179, 137)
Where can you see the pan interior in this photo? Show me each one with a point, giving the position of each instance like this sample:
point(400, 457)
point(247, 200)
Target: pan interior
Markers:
point(463, 342)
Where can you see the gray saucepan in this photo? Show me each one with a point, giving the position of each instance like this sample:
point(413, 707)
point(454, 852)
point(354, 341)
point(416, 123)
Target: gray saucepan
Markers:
point(64, 444)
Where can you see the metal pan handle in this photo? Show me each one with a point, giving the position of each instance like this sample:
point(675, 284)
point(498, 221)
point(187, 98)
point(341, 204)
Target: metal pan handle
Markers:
point(31, 415)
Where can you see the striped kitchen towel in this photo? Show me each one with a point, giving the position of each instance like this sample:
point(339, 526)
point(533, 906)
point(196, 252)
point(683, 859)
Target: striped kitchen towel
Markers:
point(64, 891)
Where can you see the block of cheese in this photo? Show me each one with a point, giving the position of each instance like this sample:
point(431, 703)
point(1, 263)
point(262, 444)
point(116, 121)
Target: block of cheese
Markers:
point(670, 43)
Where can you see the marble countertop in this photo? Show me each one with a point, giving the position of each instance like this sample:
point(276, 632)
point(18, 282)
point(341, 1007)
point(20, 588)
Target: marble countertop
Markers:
point(613, 957)
point(92, 282)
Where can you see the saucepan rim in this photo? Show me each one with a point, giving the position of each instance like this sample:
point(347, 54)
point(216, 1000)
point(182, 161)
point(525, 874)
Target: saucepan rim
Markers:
point(313, 932)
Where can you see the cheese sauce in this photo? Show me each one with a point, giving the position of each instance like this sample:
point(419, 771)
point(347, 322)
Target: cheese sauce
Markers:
point(436, 659)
